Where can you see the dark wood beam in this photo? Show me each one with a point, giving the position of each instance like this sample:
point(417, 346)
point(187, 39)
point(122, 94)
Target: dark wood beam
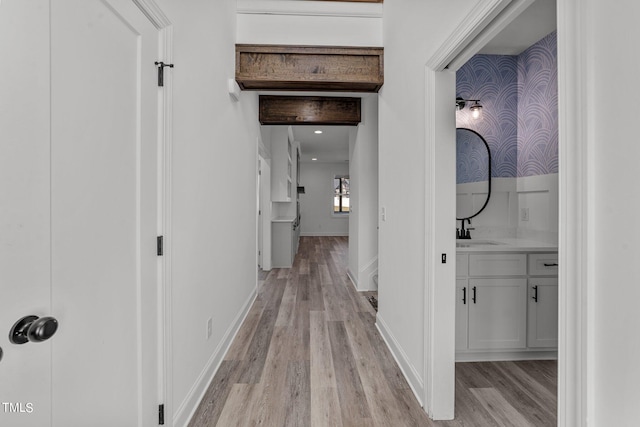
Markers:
point(309, 110)
point(314, 68)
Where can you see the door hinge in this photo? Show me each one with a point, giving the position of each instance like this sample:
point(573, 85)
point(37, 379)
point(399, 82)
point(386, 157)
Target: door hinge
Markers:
point(161, 66)
point(259, 212)
point(160, 245)
point(161, 414)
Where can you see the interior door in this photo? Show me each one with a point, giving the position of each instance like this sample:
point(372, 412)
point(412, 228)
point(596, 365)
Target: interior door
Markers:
point(25, 273)
point(82, 223)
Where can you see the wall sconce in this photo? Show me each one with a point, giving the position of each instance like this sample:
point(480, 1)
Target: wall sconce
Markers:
point(476, 108)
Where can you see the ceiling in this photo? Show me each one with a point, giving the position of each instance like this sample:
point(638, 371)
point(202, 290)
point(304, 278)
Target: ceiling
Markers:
point(330, 146)
point(533, 24)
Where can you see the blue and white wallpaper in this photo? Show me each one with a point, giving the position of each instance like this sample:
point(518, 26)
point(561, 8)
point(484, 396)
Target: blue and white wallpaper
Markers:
point(471, 158)
point(538, 108)
point(493, 79)
point(519, 95)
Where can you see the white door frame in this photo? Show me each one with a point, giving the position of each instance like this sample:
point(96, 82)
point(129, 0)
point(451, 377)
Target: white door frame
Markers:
point(165, 131)
point(575, 286)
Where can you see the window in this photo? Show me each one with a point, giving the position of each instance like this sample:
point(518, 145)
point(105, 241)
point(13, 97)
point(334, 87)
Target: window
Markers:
point(341, 194)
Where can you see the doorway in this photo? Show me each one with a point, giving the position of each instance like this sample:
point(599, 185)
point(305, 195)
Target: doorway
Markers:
point(327, 152)
point(440, 83)
point(516, 84)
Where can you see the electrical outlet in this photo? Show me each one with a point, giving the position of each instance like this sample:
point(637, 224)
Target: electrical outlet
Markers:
point(383, 213)
point(209, 327)
point(524, 214)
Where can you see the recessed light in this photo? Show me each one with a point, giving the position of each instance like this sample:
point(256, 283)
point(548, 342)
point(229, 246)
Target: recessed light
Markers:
point(317, 132)
point(314, 159)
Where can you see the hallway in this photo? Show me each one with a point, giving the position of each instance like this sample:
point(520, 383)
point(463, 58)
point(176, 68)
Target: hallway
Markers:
point(309, 354)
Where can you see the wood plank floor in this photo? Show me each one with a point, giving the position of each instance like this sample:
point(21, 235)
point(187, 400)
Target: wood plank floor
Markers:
point(309, 354)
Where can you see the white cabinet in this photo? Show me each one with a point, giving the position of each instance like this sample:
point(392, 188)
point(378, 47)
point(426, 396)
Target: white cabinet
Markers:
point(462, 314)
point(281, 164)
point(543, 264)
point(543, 313)
point(506, 305)
point(497, 310)
point(511, 264)
point(283, 243)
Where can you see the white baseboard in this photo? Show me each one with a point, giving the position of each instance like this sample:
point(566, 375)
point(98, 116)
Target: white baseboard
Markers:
point(504, 355)
point(408, 370)
point(367, 272)
point(324, 234)
point(189, 405)
point(354, 282)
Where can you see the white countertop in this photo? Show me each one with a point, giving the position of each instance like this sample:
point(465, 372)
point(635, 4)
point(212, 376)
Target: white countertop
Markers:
point(503, 245)
point(283, 219)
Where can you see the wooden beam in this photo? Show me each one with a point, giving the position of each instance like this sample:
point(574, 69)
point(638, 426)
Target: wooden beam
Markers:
point(315, 68)
point(309, 110)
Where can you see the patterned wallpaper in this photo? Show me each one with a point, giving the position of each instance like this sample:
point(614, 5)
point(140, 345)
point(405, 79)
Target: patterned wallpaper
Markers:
point(519, 95)
point(493, 79)
point(538, 108)
point(471, 158)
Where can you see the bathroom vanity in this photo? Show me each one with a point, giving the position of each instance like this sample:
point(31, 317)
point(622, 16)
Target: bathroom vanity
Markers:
point(506, 300)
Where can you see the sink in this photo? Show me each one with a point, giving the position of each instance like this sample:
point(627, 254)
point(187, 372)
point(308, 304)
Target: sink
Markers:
point(464, 243)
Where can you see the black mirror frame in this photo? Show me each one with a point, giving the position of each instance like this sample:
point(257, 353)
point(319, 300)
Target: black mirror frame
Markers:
point(489, 179)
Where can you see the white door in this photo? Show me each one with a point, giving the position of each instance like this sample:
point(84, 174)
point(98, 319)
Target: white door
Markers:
point(25, 273)
point(79, 214)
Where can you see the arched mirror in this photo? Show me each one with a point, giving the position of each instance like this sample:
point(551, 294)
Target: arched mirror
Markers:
point(473, 173)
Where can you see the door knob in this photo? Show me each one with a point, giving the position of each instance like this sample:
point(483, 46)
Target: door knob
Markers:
point(33, 329)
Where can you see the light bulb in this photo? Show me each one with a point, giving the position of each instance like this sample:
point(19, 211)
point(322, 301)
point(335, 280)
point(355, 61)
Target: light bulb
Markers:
point(476, 109)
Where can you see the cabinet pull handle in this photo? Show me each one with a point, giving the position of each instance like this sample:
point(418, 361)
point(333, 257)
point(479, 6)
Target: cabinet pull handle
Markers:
point(535, 293)
point(464, 295)
point(474, 295)
point(551, 264)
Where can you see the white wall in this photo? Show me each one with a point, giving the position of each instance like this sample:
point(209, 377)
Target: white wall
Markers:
point(363, 218)
point(316, 204)
point(213, 246)
point(413, 30)
point(306, 23)
point(611, 256)
point(502, 216)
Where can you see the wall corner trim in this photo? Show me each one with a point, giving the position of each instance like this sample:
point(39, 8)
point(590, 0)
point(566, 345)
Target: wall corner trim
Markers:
point(189, 405)
point(310, 8)
point(472, 24)
point(153, 12)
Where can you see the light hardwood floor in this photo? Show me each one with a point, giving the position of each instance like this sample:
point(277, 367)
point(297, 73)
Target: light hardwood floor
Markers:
point(309, 354)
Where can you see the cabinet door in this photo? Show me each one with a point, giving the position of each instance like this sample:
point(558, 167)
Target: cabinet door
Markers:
point(543, 313)
point(280, 165)
point(462, 314)
point(462, 265)
point(511, 264)
point(281, 241)
point(497, 313)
